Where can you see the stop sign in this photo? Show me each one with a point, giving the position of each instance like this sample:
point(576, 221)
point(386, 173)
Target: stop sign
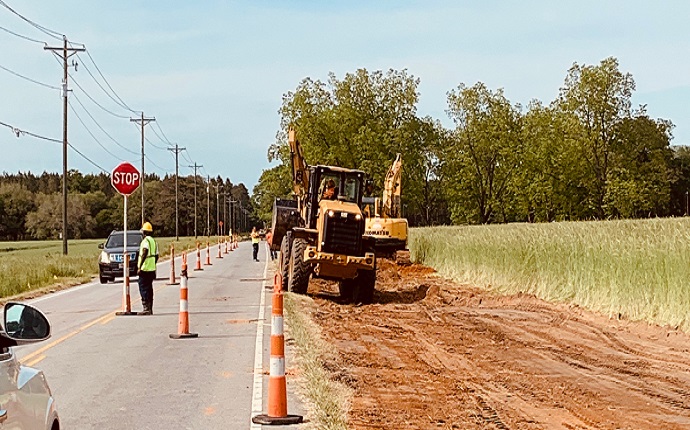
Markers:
point(125, 178)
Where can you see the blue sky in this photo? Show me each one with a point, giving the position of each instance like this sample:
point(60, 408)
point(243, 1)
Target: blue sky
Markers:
point(213, 73)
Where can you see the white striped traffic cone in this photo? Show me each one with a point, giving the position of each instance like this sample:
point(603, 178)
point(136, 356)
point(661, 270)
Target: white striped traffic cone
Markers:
point(277, 387)
point(183, 325)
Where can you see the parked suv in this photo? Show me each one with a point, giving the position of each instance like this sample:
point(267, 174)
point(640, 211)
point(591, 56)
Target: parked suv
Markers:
point(111, 261)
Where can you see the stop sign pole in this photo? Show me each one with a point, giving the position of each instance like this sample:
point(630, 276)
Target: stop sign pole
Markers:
point(125, 179)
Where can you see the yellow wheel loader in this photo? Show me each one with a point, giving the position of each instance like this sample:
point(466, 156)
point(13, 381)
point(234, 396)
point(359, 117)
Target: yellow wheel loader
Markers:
point(321, 232)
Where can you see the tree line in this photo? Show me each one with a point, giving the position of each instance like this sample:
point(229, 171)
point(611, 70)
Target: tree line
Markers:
point(588, 154)
point(31, 205)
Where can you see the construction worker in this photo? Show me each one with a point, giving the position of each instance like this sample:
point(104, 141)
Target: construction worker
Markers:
point(255, 243)
point(330, 192)
point(269, 243)
point(146, 268)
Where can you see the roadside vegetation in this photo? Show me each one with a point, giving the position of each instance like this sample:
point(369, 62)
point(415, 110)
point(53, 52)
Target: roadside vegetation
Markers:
point(637, 269)
point(37, 265)
point(329, 399)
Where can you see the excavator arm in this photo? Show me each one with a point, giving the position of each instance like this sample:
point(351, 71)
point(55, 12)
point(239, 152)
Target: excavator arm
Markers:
point(300, 170)
point(391, 190)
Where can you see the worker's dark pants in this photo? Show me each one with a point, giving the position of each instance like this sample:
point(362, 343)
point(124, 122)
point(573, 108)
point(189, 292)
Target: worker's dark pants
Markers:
point(146, 286)
point(256, 250)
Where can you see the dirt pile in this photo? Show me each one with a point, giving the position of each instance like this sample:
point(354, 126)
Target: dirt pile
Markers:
point(433, 354)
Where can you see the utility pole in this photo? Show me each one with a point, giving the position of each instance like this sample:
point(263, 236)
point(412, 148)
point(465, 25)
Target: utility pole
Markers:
point(225, 196)
point(143, 121)
point(217, 210)
point(177, 151)
point(208, 205)
point(64, 52)
point(233, 220)
point(195, 166)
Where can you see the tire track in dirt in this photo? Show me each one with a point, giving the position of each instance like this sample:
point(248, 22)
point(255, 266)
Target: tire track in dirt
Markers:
point(433, 354)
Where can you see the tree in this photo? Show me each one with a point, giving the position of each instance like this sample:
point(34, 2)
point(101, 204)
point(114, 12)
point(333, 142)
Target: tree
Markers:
point(484, 153)
point(639, 183)
point(599, 96)
point(17, 203)
point(46, 221)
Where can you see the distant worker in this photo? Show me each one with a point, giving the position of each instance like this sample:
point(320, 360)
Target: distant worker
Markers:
point(255, 243)
point(329, 192)
point(269, 243)
point(146, 268)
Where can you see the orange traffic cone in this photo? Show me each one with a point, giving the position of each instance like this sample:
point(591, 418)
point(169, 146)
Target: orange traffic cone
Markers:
point(226, 244)
point(126, 302)
point(172, 265)
point(198, 258)
point(220, 254)
point(183, 325)
point(277, 388)
point(208, 254)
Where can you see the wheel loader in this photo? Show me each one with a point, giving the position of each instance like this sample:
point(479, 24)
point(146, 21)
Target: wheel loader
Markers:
point(321, 231)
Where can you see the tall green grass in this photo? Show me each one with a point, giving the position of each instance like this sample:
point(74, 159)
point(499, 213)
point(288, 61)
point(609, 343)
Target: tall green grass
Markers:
point(637, 268)
point(31, 265)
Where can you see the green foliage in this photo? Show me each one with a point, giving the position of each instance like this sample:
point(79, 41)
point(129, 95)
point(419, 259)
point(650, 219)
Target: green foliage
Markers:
point(362, 122)
point(484, 154)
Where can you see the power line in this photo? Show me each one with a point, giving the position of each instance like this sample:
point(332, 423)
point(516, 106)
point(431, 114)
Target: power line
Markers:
point(108, 84)
point(43, 29)
point(29, 79)
point(21, 36)
point(117, 100)
point(85, 157)
point(153, 144)
point(92, 135)
point(18, 132)
point(102, 129)
point(93, 100)
point(166, 137)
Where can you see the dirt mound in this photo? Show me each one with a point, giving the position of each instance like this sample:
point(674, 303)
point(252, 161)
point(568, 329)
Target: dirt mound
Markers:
point(429, 353)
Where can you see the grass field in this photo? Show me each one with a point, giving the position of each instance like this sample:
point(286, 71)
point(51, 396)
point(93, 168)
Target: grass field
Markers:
point(31, 265)
point(636, 268)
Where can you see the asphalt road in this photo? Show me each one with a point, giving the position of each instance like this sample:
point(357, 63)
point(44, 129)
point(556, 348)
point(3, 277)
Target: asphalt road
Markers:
point(124, 372)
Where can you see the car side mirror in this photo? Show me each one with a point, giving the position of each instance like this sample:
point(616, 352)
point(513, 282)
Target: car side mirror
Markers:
point(25, 324)
point(101, 245)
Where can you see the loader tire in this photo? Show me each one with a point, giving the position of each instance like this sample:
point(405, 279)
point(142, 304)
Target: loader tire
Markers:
point(284, 260)
point(299, 270)
point(346, 288)
point(365, 284)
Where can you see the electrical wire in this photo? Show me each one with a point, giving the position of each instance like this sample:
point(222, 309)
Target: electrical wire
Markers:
point(118, 102)
point(102, 129)
point(123, 104)
point(166, 141)
point(91, 134)
point(93, 100)
point(21, 36)
point(86, 158)
point(161, 130)
point(162, 148)
point(19, 132)
point(52, 87)
point(43, 29)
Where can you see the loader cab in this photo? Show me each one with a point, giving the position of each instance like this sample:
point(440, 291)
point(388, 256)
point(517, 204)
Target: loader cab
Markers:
point(347, 186)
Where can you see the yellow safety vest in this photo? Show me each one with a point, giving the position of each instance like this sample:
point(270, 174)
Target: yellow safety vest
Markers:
point(256, 238)
point(150, 262)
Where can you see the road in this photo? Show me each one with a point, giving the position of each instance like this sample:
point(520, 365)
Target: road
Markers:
point(109, 371)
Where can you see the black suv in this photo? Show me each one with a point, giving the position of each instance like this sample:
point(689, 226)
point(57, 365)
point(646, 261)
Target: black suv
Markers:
point(111, 261)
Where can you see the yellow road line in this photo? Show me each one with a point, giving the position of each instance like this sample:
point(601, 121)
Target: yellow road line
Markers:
point(105, 319)
point(34, 361)
point(67, 336)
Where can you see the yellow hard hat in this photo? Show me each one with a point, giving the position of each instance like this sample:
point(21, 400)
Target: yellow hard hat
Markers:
point(147, 227)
